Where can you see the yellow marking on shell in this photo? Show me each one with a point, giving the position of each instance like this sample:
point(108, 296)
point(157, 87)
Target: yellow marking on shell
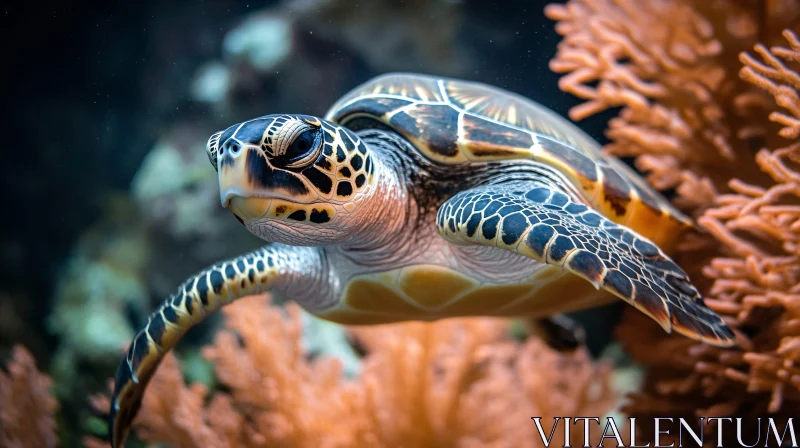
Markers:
point(425, 148)
point(589, 189)
point(539, 153)
point(409, 108)
point(501, 106)
point(432, 286)
point(470, 105)
point(537, 117)
point(421, 92)
point(660, 228)
point(658, 225)
point(529, 122)
point(426, 89)
point(608, 205)
point(482, 140)
point(420, 143)
point(512, 113)
point(486, 151)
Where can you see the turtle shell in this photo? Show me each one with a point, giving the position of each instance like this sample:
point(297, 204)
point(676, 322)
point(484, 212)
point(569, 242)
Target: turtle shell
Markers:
point(453, 121)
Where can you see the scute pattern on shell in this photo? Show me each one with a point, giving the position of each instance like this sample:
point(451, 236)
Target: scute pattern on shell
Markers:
point(453, 121)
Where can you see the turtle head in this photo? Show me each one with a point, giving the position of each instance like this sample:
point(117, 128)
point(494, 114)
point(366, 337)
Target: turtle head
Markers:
point(293, 179)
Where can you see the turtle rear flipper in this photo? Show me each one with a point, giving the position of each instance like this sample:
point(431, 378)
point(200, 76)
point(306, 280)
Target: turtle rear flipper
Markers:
point(539, 221)
point(559, 332)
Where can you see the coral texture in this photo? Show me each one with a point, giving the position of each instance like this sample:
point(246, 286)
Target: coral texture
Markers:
point(458, 382)
point(685, 116)
point(761, 227)
point(693, 106)
point(756, 279)
point(27, 413)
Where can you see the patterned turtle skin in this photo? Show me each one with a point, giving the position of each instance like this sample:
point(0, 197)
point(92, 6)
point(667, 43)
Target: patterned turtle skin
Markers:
point(422, 198)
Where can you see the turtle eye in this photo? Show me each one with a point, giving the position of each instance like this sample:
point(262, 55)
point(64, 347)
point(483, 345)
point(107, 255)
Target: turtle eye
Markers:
point(303, 149)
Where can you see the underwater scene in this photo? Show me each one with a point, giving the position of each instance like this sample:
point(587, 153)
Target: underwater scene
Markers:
point(417, 223)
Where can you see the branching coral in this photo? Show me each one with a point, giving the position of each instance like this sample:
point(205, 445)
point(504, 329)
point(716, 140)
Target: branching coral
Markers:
point(758, 284)
point(676, 81)
point(761, 226)
point(27, 412)
point(671, 67)
point(459, 382)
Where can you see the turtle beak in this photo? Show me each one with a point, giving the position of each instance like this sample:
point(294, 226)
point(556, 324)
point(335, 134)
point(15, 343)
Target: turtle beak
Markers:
point(236, 181)
point(225, 198)
point(247, 182)
point(239, 168)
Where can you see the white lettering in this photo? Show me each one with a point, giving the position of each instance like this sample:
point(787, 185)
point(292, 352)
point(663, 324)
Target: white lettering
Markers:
point(719, 428)
point(586, 428)
point(684, 424)
point(739, 432)
point(538, 422)
point(659, 432)
point(610, 422)
point(633, 434)
point(774, 428)
point(567, 439)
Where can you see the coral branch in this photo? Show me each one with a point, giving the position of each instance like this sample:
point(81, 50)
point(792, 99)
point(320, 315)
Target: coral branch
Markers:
point(757, 290)
point(458, 382)
point(683, 136)
point(27, 410)
point(681, 102)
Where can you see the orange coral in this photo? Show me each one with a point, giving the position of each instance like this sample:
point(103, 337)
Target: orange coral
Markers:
point(290, 401)
point(27, 414)
point(675, 80)
point(673, 125)
point(761, 226)
point(757, 286)
point(458, 382)
point(461, 382)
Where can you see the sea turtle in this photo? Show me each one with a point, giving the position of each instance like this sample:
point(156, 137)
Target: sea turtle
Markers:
point(421, 198)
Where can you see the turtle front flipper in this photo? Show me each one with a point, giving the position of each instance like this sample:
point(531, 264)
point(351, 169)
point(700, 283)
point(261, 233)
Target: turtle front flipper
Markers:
point(270, 268)
point(541, 222)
